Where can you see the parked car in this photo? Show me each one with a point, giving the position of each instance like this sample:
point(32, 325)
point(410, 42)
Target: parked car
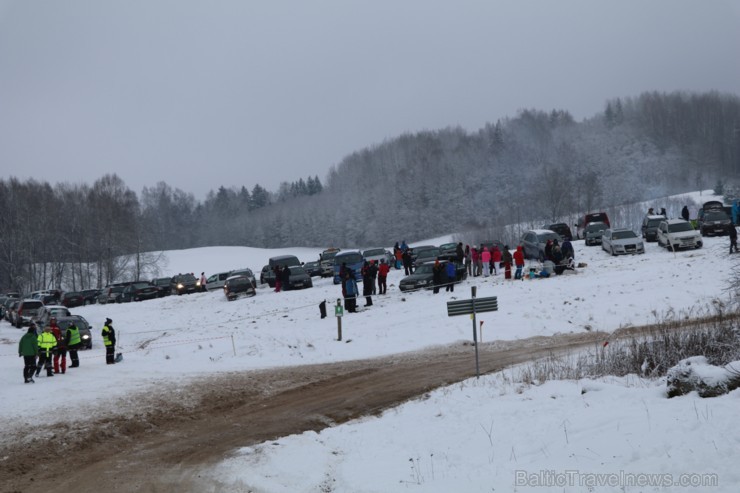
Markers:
point(297, 279)
point(183, 283)
point(163, 285)
point(139, 291)
point(448, 251)
point(593, 232)
point(82, 324)
point(650, 227)
point(425, 254)
point(562, 229)
point(327, 261)
point(534, 242)
point(90, 295)
point(423, 276)
point(239, 285)
point(245, 272)
point(621, 242)
point(714, 222)
point(712, 205)
point(376, 255)
point(27, 311)
point(415, 251)
point(313, 268)
point(353, 260)
point(282, 261)
point(110, 294)
point(594, 217)
point(677, 233)
point(48, 312)
point(11, 308)
point(72, 299)
point(216, 281)
point(268, 276)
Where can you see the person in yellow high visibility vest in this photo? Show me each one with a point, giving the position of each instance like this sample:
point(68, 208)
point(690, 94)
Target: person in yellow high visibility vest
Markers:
point(46, 342)
point(109, 341)
point(73, 339)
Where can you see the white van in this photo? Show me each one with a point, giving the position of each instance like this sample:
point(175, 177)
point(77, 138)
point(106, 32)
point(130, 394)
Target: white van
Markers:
point(216, 281)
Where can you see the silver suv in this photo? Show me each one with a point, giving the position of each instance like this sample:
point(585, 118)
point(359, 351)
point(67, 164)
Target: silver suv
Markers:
point(675, 234)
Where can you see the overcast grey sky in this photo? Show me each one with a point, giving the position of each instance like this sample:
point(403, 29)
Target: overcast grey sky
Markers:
point(237, 92)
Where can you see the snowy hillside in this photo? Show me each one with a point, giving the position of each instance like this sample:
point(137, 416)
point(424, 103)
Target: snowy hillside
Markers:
point(474, 436)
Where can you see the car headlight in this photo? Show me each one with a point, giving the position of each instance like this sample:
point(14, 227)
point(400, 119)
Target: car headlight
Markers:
point(180, 286)
point(197, 283)
point(86, 336)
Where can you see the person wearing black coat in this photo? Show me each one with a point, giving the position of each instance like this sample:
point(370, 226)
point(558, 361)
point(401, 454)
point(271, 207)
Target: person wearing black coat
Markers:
point(733, 237)
point(685, 213)
point(367, 283)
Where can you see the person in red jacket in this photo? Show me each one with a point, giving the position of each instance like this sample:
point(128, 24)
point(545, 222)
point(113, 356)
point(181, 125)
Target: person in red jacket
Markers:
point(60, 352)
point(495, 259)
point(519, 262)
point(383, 270)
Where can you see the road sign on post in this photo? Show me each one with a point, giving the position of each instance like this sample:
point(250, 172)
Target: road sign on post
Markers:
point(473, 306)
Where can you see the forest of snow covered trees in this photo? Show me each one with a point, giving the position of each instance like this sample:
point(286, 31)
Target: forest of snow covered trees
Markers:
point(533, 168)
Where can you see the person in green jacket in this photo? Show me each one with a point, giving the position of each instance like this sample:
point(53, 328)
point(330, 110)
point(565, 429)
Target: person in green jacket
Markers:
point(28, 347)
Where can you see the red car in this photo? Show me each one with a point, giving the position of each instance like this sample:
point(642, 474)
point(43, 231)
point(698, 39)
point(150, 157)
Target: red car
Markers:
point(72, 299)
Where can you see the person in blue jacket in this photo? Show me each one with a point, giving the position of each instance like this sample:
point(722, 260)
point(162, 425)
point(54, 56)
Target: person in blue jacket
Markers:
point(451, 276)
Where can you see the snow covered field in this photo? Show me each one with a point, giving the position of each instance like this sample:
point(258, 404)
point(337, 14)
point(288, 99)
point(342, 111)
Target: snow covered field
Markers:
point(490, 434)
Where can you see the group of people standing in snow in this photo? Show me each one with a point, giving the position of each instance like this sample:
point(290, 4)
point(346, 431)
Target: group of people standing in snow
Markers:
point(52, 345)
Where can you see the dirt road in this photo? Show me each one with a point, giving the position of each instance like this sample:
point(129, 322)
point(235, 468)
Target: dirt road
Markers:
point(162, 441)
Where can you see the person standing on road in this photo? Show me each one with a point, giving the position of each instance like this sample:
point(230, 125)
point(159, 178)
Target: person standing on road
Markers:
point(278, 278)
point(367, 283)
point(203, 281)
point(373, 275)
point(74, 341)
point(28, 347)
point(468, 259)
point(46, 343)
point(438, 273)
point(382, 276)
point(495, 260)
point(109, 341)
point(685, 213)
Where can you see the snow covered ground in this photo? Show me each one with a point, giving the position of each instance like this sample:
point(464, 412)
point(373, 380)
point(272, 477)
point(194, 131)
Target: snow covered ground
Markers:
point(490, 434)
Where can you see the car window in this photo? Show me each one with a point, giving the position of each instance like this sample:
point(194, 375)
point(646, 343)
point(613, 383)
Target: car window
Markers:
point(350, 258)
point(716, 216)
point(623, 235)
point(424, 269)
point(679, 227)
point(548, 236)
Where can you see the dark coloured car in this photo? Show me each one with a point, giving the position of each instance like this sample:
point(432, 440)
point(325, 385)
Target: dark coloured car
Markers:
point(27, 311)
point(425, 254)
point(650, 225)
point(81, 323)
point(245, 272)
point(594, 217)
point(139, 291)
point(163, 285)
point(90, 295)
point(593, 233)
point(713, 223)
point(110, 294)
point(313, 269)
point(535, 241)
point(236, 286)
point(298, 278)
point(72, 299)
point(562, 229)
point(448, 251)
point(183, 283)
point(267, 276)
point(423, 276)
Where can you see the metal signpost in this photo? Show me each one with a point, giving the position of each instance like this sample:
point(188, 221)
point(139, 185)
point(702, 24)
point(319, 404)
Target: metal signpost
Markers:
point(471, 307)
point(339, 312)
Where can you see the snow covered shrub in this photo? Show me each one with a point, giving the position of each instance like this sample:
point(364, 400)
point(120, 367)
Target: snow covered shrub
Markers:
point(696, 374)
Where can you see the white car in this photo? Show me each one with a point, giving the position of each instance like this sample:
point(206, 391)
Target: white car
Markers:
point(621, 241)
point(677, 233)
